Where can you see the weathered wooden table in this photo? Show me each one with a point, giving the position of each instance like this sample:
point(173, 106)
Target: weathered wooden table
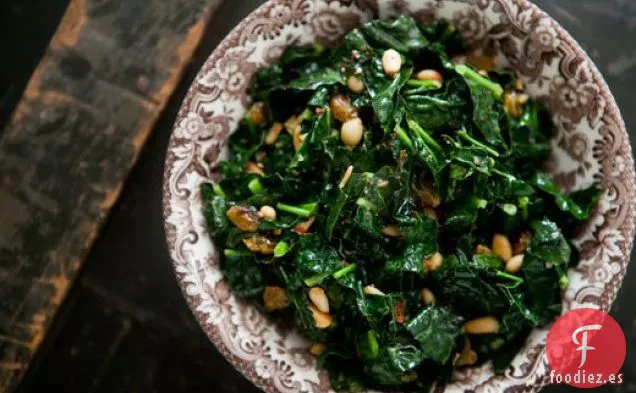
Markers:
point(84, 116)
point(124, 325)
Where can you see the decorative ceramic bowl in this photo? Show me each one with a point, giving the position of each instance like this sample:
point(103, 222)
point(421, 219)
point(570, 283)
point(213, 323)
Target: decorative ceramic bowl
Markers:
point(590, 146)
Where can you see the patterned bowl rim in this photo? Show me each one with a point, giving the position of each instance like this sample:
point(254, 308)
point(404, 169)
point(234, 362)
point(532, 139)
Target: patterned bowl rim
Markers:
point(612, 110)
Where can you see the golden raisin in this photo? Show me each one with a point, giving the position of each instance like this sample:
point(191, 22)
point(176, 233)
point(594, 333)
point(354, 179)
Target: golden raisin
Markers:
point(245, 218)
point(342, 108)
point(260, 244)
point(399, 311)
point(303, 227)
point(275, 298)
point(481, 61)
point(257, 113)
point(522, 242)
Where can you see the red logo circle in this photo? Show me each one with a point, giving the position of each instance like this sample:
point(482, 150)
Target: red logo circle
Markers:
point(586, 348)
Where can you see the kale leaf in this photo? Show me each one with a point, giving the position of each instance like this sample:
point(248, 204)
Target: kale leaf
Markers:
point(401, 34)
point(544, 268)
point(578, 205)
point(436, 329)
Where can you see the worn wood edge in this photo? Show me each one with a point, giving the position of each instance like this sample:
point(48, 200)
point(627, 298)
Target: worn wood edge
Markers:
point(68, 34)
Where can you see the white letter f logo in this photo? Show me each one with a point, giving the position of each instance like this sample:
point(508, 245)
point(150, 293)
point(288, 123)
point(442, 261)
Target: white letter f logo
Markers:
point(584, 347)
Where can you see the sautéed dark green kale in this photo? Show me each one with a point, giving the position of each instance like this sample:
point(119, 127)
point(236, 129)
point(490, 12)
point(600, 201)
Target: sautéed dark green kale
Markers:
point(387, 198)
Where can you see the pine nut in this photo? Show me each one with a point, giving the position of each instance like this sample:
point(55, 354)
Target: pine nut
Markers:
point(292, 123)
point(273, 133)
point(428, 196)
point(346, 177)
point(355, 84)
point(253, 168)
point(321, 319)
point(433, 262)
point(429, 75)
point(317, 349)
point(297, 139)
point(512, 105)
point(257, 114)
point(391, 62)
point(483, 325)
point(501, 246)
point(409, 377)
point(519, 85)
point(392, 231)
point(294, 127)
point(275, 298)
point(427, 297)
point(319, 299)
point(430, 213)
point(351, 132)
point(466, 358)
point(482, 250)
point(268, 212)
point(514, 264)
point(372, 291)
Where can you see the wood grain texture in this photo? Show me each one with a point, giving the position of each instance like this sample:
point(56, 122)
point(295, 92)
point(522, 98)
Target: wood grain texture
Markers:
point(78, 129)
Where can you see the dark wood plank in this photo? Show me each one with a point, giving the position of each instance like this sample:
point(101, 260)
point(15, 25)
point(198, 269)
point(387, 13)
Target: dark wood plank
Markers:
point(83, 118)
point(128, 271)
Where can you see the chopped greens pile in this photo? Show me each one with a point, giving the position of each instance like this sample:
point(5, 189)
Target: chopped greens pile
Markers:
point(387, 198)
